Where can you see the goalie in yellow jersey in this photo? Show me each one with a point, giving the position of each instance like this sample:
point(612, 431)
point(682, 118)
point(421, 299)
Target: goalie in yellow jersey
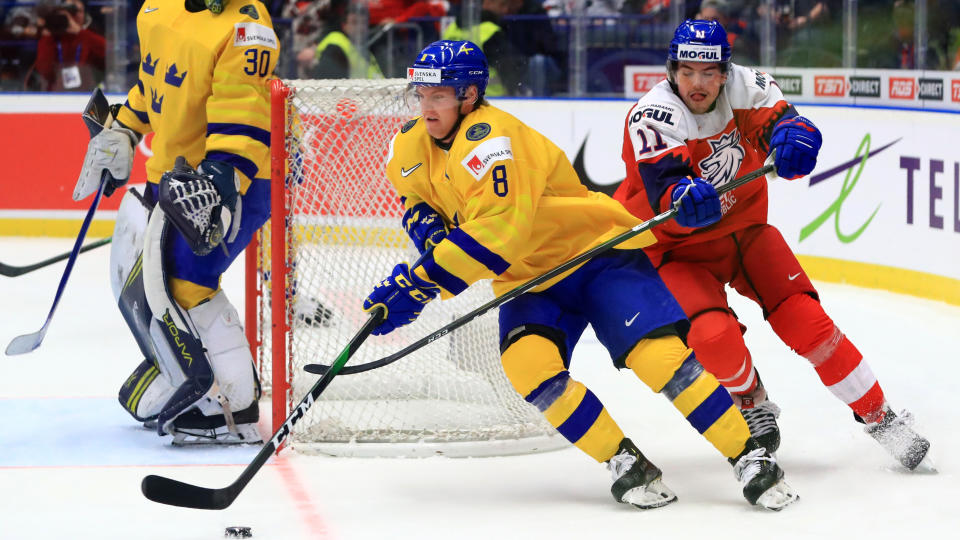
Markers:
point(496, 199)
point(202, 91)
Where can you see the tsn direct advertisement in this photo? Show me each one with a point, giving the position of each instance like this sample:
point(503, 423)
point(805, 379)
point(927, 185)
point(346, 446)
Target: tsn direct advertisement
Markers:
point(885, 192)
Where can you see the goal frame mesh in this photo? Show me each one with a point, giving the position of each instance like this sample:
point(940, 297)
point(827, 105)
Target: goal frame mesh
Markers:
point(271, 338)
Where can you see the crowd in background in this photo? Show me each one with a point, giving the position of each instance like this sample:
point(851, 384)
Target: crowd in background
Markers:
point(59, 45)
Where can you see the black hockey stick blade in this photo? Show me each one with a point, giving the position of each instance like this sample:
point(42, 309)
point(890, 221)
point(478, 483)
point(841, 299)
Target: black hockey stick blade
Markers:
point(175, 493)
point(320, 369)
point(14, 271)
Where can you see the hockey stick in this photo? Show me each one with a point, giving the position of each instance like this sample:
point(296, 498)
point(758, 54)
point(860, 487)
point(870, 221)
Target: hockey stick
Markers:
point(319, 369)
point(29, 342)
point(173, 492)
point(14, 271)
point(97, 117)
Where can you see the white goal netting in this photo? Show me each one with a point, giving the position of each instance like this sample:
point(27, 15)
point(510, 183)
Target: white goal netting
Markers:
point(343, 235)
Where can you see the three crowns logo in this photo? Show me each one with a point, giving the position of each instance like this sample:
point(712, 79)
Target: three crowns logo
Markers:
point(149, 67)
point(171, 77)
point(155, 102)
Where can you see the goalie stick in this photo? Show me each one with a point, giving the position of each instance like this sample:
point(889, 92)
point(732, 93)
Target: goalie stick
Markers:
point(96, 116)
point(319, 369)
point(173, 492)
point(14, 271)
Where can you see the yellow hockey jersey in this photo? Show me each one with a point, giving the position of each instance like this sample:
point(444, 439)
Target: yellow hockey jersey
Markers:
point(203, 86)
point(514, 204)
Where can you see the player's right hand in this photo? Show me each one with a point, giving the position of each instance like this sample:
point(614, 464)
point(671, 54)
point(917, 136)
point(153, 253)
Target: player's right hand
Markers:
point(110, 152)
point(424, 226)
point(402, 296)
point(697, 202)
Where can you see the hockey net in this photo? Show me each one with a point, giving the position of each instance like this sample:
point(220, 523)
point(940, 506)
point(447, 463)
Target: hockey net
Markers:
point(339, 221)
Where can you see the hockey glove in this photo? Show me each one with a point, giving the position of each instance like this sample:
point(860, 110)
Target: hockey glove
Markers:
point(424, 226)
point(402, 295)
point(797, 142)
point(109, 152)
point(697, 202)
point(203, 205)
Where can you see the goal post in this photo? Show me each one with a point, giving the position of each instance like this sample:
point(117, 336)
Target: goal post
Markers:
point(334, 233)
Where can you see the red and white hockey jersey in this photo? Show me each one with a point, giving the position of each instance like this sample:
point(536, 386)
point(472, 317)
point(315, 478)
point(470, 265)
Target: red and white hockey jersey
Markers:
point(664, 141)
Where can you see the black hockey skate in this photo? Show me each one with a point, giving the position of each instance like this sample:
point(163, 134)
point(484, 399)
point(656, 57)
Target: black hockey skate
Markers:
point(761, 415)
point(636, 481)
point(897, 437)
point(762, 478)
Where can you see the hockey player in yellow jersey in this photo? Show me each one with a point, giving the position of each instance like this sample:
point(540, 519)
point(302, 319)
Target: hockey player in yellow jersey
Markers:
point(487, 197)
point(202, 91)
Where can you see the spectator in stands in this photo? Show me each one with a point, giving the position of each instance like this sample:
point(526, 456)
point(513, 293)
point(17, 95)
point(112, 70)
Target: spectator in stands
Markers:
point(336, 56)
point(747, 47)
point(508, 68)
point(533, 36)
point(18, 34)
point(70, 56)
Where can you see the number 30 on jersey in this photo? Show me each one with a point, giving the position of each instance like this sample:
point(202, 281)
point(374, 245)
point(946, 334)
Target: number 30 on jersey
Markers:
point(258, 62)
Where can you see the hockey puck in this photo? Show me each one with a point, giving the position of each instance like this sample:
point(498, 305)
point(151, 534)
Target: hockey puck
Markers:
point(237, 532)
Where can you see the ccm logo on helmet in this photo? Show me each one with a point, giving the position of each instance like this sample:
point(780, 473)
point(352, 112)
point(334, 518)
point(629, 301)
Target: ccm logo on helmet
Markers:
point(699, 53)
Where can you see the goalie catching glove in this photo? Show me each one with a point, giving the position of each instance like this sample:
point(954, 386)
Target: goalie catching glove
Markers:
point(204, 205)
point(402, 295)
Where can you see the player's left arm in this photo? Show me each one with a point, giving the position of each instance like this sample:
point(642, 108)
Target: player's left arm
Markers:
point(238, 109)
point(496, 224)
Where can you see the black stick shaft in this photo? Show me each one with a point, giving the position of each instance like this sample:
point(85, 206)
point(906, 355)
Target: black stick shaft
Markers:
point(520, 289)
point(13, 271)
point(173, 492)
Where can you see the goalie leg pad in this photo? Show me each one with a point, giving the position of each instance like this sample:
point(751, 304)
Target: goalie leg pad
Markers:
point(222, 335)
point(145, 392)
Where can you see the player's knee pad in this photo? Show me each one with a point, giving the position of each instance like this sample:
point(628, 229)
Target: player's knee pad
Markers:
point(804, 326)
point(717, 337)
point(529, 361)
point(145, 392)
point(655, 360)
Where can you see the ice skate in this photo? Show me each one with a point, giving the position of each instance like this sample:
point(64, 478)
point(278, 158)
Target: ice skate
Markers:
point(761, 415)
point(193, 428)
point(897, 437)
point(636, 481)
point(762, 478)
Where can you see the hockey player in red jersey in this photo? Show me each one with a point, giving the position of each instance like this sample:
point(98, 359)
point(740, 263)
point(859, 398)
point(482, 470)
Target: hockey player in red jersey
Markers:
point(708, 123)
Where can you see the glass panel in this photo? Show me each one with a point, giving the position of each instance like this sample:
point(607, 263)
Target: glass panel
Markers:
point(808, 32)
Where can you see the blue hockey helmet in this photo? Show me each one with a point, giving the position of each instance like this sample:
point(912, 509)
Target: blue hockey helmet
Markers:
point(457, 64)
point(699, 41)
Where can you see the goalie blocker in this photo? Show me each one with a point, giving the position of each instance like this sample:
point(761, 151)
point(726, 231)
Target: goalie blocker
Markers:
point(197, 380)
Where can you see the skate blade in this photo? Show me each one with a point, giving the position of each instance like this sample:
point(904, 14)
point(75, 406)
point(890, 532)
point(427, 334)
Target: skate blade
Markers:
point(778, 496)
point(653, 495)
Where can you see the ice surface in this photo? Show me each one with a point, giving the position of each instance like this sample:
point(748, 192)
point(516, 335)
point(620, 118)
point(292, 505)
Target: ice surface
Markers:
point(71, 461)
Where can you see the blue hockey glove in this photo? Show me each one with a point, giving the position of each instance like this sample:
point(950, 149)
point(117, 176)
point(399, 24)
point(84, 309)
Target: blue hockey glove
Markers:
point(402, 295)
point(699, 203)
point(424, 226)
point(797, 142)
